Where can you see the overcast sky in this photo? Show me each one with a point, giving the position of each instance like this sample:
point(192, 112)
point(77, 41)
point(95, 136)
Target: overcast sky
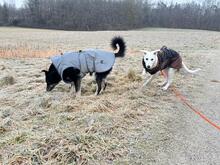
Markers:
point(20, 2)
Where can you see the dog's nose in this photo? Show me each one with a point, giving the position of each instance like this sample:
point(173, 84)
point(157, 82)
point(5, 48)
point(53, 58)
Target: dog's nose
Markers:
point(50, 87)
point(148, 66)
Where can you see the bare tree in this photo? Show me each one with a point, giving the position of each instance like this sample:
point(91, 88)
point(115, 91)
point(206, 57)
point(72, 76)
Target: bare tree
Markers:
point(111, 14)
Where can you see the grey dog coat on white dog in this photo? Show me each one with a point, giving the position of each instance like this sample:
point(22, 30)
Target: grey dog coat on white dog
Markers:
point(88, 61)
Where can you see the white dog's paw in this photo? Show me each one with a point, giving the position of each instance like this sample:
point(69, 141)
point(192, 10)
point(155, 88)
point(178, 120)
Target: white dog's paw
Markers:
point(165, 88)
point(162, 84)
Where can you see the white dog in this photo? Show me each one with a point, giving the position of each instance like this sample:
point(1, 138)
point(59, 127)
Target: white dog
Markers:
point(165, 60)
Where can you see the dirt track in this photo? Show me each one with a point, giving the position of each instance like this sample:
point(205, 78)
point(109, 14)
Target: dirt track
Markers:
point(122, 126)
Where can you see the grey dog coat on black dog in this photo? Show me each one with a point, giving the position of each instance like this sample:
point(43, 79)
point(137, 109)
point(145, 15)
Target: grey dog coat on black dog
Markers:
point(167, 58)
point(88, 61)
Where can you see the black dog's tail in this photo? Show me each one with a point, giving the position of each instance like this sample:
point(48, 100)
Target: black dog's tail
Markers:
point(121, 44)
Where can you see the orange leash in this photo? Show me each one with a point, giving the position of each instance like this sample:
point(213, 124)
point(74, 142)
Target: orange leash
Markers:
point(184, 100)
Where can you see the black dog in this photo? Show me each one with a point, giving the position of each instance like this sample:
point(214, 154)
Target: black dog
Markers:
point(73, 66)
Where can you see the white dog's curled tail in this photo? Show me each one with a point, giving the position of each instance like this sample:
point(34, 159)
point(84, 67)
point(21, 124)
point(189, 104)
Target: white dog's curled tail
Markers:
point(190, 71)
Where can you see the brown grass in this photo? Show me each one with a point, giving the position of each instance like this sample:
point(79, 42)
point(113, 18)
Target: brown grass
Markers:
point(124, 125)
point(26, 53)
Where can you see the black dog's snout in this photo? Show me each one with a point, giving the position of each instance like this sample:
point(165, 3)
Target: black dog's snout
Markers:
point(50, 87)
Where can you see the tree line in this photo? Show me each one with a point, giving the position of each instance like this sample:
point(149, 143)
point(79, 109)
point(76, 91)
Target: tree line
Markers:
point(111, 14)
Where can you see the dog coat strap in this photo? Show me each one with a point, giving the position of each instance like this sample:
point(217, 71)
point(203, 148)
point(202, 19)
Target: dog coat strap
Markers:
point(83, 62)
point(90, 58)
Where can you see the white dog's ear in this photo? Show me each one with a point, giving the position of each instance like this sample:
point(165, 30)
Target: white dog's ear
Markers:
point(156, 51)
point(144, 51)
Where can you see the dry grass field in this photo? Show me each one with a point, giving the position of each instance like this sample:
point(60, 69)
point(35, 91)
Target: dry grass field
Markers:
point(124, 125)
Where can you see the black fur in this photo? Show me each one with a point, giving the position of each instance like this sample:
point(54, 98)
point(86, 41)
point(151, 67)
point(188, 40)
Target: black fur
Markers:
point(100, 80)
point(72, 75)
point(144, 65)
point(52, 77)
point(122, 46)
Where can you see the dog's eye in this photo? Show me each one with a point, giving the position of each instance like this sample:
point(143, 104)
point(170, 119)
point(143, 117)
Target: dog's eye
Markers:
point(152, 59)
point(147, 59)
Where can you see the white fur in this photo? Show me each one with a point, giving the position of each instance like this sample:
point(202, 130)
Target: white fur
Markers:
point(169, 79)
point(188, 70)
point(149, 79)
point(151, 61)
point(143, 72)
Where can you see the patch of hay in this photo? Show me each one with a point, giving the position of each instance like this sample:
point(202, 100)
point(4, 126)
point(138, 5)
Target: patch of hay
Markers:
point(7, 122)
point(102, 106)
point(2, 130)
point(18, 139)
point(74, 150)
point(58, 150)
point(133, 76)
point(2, 67)
point(44, 102)
point(19, 160)
point(7, 80)
point(5, 113)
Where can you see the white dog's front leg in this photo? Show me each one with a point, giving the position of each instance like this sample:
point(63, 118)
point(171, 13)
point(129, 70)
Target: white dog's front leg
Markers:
point(149, 80)
point(143, 72)
point(165, 75)
point(170, 78)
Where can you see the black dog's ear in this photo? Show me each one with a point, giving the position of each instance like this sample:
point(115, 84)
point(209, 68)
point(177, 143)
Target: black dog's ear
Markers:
point(45, 71)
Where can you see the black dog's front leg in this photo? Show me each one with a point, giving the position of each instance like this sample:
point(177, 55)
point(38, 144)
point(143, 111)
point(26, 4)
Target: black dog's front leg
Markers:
point(99, 86)
point(77, 84)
